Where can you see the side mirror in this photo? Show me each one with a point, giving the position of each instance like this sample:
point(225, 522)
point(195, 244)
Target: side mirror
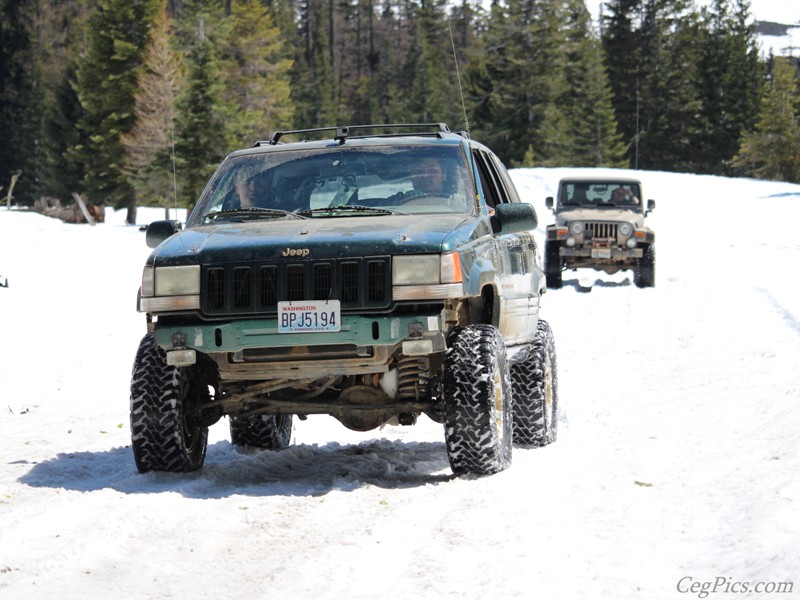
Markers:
point(512, 218)
point(158, 231)
point(548, 202)
point(651, 205)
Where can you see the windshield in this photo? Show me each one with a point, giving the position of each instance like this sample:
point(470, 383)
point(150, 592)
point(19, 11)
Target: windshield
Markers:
point(600, 194)
point(339, 181)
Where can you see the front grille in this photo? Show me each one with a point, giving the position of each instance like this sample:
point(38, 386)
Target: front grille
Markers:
point(600, 230)
point(256, 288)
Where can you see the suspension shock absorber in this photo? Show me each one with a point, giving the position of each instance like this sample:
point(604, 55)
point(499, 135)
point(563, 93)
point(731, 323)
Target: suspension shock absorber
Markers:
point(412, 376)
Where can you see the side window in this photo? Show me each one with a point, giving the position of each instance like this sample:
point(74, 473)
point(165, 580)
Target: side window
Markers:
point(505, 180)
point(493, 189)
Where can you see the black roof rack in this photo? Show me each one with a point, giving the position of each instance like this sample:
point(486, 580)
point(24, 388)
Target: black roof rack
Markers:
point(341, 133)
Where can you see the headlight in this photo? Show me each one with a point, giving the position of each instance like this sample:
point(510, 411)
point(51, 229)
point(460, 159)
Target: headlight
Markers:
point(176, 281)
point(416, 269)
point(625, 229)
point(426, 269)
point(576, 228)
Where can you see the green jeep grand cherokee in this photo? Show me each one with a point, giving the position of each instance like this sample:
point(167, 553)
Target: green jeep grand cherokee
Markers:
point(371, 277)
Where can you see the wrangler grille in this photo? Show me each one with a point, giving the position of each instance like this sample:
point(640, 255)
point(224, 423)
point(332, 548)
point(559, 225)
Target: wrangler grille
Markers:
point(257, 288)
point(600, 230)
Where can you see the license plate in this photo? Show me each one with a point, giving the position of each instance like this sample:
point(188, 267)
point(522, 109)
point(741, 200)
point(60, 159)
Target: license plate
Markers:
point(601, 253)
point(309, 317)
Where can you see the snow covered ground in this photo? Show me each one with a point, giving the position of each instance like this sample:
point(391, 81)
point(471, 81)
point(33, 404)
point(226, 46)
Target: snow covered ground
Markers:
point(675, 474)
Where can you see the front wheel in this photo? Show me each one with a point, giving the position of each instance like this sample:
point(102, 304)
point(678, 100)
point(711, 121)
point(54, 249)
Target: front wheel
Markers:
point(477, 401)
point(644, 275)
point(534, 383)
point(167, 433)
point(552, 266)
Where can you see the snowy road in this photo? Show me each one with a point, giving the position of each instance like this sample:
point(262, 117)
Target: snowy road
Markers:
point(677, 461)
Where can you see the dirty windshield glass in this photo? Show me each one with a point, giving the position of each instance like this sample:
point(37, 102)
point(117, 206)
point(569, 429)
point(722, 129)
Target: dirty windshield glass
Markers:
point(338, 182)
point(594, 194)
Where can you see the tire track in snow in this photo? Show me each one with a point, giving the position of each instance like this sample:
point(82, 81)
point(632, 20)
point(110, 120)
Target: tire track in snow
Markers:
point(792, 320)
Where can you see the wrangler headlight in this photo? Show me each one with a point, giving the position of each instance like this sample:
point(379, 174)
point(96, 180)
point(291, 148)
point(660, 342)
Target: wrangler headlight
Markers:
point(626, 229)
point(176, 281)
point(576, 228)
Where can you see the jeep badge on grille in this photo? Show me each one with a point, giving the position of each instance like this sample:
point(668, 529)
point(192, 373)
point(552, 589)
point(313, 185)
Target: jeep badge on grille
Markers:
point(296, 252)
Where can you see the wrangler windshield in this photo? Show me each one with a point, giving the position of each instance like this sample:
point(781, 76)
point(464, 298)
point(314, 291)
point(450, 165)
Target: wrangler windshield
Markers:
point(315, 183)
point(600, 194)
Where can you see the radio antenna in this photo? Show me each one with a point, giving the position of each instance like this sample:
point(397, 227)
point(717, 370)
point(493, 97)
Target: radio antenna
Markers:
point(458, 77)
point(174, 171)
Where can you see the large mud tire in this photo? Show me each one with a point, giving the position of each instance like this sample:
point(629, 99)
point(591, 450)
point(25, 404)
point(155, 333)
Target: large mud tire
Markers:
point(477, 401)
point(644, 276)
point(166, 434)
point(267, 432)
point(534, 383)
point(552, 266)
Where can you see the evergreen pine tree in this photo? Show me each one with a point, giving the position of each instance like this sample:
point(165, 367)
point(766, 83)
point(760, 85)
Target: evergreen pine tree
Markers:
point(118, 31)
point(430, 66)
point(149, 144)
point(622, 51)
point(20, 100)
point(731, 77)
point(256, 73)
point(592, 136)
point(670, 99)
point(202, 140)
point(312, 74)
point(772, 150)
point(60, 40)
point(515, 87)
point(61, 175)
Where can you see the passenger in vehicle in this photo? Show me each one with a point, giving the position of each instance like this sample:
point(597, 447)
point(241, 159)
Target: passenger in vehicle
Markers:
point(623, 196)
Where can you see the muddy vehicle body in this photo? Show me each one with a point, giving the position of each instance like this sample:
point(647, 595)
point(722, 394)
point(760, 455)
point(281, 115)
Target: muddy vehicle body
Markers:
point(374, 278)
point(600, 225)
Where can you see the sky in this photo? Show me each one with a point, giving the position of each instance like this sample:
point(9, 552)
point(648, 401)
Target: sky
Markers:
point(674, 476)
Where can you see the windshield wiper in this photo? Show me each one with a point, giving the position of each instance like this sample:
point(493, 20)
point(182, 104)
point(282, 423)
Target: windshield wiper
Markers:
point(335, 210)
point(252, 212)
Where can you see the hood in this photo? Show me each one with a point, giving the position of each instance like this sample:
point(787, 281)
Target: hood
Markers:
point(600, 214)
point(318, 238)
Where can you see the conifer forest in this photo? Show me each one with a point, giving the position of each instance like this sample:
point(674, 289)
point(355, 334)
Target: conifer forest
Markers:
point(135, 102)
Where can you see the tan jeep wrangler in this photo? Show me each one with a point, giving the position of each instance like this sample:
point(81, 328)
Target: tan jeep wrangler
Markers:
point(600, 225)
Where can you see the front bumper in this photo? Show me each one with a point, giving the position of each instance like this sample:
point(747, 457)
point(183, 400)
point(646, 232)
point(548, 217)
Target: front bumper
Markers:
point(255, 350)
point(240, 335)
point(600, 253)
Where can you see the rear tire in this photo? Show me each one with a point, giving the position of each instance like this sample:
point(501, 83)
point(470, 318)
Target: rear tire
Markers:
point(552, 266)
point(166, 431)
point(268, 432)
point(535, 389)
point(644, 276)
point(477, 401)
